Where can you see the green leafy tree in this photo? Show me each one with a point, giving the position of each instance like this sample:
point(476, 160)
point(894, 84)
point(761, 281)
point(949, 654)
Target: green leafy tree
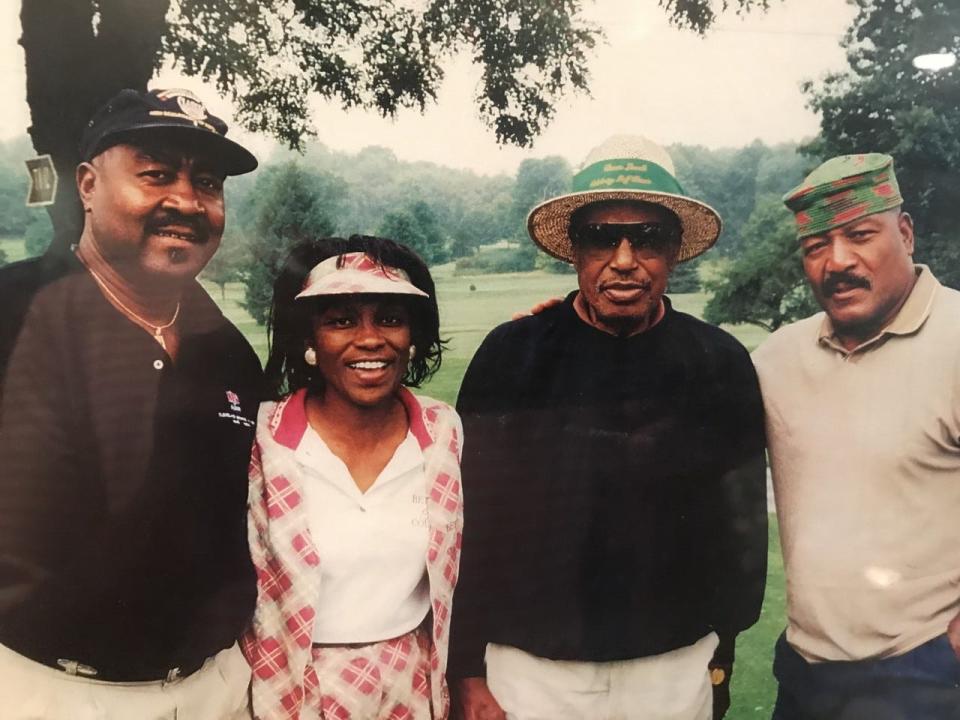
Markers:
point(782, 169)
point(227, 264)
point(470, 209)
point(699, 15)
point(685, 278)
point(485, 218)
point(734, 181)
point(483, 224)
point(372, 167)
point(882, 103)
point(14, 214)
point(291, 204)
point(37, 236)
point(417, 228)
point(765, 285)
point(270, 57)
point(539, 179)
point(730, 180)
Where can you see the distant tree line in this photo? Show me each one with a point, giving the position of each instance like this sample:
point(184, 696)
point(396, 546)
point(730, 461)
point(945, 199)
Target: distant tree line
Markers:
point(385, 56)
point(445, 214)
point(754, 273)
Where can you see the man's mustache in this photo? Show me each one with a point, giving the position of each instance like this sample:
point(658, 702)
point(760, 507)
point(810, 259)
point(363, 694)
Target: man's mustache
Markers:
point(830, 285)
point(196, 224)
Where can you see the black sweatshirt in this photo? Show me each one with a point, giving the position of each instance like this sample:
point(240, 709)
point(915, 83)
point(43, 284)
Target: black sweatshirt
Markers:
point(614, 491)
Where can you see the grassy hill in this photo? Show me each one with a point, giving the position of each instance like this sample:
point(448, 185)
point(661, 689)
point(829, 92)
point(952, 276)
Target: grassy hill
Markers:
point(471, 306)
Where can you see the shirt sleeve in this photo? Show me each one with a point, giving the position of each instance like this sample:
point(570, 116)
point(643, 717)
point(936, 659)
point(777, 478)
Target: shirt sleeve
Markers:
point(39, 457)
point(477, 404)
point(739, 551)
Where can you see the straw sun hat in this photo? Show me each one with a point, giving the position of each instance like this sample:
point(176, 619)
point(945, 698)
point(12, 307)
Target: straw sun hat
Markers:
point(625, 167)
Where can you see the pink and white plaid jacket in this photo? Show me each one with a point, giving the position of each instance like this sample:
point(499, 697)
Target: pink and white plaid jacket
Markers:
point(278, 643)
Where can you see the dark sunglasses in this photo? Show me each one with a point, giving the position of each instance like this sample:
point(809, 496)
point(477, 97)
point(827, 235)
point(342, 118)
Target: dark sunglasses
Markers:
point(607, 236)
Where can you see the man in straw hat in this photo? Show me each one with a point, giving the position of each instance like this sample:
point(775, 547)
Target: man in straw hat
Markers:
point(126, 418)
point(864, 432)
point(614, 476)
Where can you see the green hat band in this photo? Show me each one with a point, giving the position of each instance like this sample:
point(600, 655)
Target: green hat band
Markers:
point(829, 199)
point(626, 174)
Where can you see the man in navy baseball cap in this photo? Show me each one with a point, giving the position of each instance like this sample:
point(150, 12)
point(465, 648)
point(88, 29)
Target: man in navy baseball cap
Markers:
point(127, 409)
point(178, 112)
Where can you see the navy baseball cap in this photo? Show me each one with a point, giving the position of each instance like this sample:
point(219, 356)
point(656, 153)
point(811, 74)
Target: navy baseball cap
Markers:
point(130, 113)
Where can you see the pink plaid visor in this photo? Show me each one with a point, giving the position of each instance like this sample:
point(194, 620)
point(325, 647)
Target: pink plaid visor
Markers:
point(358, 273)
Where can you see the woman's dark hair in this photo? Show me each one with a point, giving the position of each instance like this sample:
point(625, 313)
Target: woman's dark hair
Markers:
point(290, 325)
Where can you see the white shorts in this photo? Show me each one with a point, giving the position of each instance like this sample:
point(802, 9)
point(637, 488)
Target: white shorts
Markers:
point(672, 686)
point(32, 691)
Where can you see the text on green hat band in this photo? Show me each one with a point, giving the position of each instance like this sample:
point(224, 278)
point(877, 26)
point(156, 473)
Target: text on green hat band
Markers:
point(626, 174)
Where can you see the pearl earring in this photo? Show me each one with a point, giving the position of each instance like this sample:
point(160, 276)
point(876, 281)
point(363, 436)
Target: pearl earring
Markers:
point(310, 356)
point(413, 351)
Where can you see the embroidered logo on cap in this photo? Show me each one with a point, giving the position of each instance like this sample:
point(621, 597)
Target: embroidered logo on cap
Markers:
point(189, 104)
point(192, 107)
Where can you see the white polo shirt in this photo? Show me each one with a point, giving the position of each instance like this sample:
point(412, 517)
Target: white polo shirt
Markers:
point(372, 545)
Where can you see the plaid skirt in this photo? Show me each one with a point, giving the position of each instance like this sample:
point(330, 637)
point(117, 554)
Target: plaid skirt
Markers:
point(388, 680)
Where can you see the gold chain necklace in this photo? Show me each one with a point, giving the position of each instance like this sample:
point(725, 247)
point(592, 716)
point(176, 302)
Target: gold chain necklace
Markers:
point(157, 329)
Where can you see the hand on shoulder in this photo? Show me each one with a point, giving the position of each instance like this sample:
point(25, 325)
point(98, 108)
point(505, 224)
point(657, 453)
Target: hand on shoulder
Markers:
point(538, 308)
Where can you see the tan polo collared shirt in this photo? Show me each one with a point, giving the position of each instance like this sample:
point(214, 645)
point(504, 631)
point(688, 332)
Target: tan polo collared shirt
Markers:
point(865, 452)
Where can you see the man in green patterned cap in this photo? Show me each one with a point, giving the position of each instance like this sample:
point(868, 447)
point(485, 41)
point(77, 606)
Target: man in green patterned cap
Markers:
point(614, 473)
point(863, 430)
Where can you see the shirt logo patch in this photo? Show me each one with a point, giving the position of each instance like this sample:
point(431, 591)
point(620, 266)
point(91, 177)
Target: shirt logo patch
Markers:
point(234, 415)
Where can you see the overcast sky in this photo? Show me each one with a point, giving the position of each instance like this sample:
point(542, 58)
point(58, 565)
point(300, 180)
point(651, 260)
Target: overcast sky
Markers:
point(739, 83)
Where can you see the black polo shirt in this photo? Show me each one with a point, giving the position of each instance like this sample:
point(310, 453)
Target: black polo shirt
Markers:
point(122, 478)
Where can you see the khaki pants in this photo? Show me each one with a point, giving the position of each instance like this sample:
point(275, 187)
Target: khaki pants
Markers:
point(31, 691)
point(672, 686)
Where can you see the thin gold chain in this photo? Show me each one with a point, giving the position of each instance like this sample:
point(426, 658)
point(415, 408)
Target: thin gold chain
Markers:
point(157, 329)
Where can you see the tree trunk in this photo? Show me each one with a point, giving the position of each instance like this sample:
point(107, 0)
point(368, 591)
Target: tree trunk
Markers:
point(76, 60)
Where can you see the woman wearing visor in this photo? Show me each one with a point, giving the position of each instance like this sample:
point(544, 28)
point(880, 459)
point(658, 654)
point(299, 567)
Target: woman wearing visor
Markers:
point(355, 502)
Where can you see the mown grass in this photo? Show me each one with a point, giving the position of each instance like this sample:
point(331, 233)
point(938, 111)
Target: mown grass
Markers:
point(470, 306)
point(13, 248)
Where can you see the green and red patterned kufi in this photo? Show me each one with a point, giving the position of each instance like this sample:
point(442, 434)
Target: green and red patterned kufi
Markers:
point(844, 189)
